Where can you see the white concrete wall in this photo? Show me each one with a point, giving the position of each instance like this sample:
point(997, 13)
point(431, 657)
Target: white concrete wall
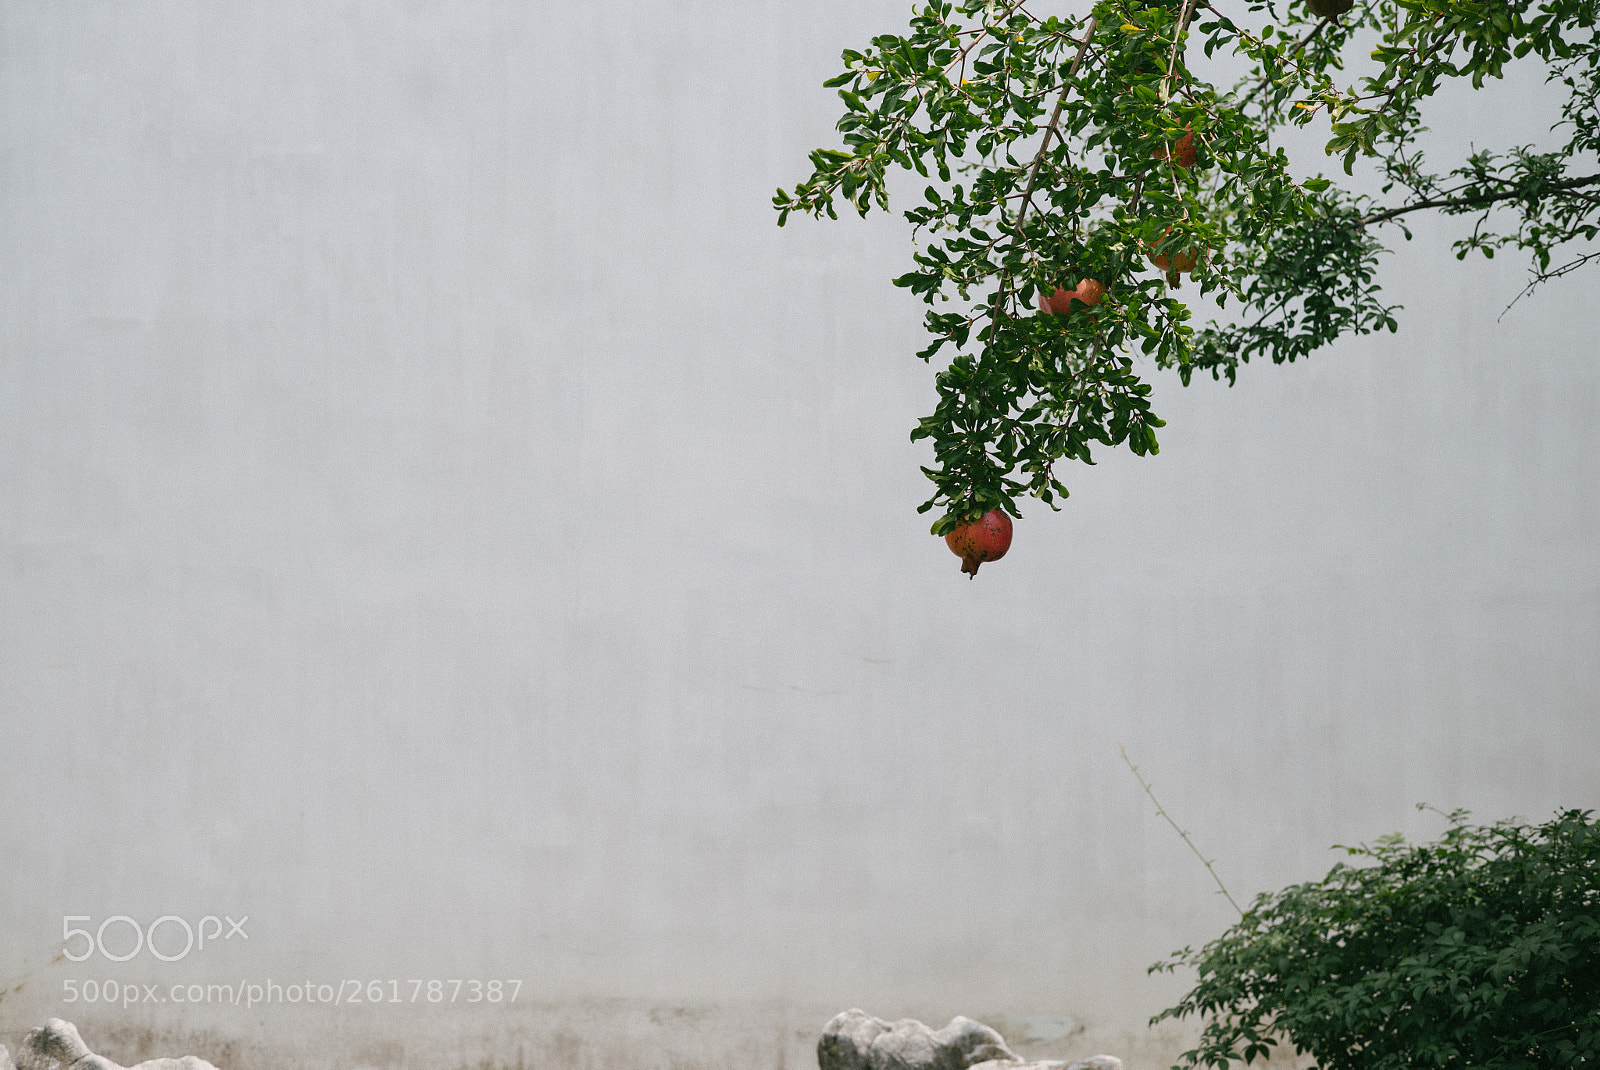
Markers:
point(442, 518)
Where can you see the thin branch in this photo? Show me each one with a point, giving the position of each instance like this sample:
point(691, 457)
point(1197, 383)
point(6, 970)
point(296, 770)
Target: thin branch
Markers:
point(1172, 57)
point(1299, 47)
point(1055, 118)
point(1162, 810)
point(1488, 198)
point(860, 163)
point(1251, 38)
point(1546, 276)
point(1033, 173)
point(977, 36)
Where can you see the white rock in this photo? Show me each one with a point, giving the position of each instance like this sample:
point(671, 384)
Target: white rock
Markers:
point(1097, 1062)
point(854, 1040)
point(56, 1045)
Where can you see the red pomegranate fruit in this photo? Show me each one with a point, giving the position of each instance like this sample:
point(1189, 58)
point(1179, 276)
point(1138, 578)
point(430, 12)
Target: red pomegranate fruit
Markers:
point(1089, 292)
point(984, 539)
point(1182, 152)
point(1184, 261)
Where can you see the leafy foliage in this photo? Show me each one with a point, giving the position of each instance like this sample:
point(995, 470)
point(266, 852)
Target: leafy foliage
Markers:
point(1054, 152)
point(1480, 950)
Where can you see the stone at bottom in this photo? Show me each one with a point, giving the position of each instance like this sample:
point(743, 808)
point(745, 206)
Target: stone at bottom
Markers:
point(854, 1040)
point(56, 1045)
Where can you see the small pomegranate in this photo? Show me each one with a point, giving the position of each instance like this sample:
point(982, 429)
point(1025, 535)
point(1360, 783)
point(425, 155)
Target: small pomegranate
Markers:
point(1329, 9)
point(1182, 152)
point(1185, 261)
point(984, 539)
point(1089, 292)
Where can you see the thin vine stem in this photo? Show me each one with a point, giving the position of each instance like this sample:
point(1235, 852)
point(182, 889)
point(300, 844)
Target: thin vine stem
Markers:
point(1162, 810)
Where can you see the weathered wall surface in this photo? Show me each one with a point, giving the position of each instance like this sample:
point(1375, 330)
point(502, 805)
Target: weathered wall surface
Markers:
point(442, 519)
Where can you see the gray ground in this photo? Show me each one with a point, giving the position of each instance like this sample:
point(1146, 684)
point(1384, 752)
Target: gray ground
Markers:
point(575, 1035)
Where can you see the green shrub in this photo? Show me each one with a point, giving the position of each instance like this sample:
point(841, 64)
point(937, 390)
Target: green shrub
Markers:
point(1481, 950)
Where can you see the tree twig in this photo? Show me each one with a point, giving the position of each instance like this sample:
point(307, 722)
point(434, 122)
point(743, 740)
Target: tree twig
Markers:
point(1172, 58)
point(1488, 198)
point(1033, 172)
point(1546, 276)
point(1162, 810)
point(1299, 47)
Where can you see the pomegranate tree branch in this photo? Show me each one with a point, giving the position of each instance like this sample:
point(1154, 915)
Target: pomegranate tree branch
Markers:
point(1486, 198)
point(1055, 118)
point(1299, 47)
point(1546, 276)
point(1172, 58)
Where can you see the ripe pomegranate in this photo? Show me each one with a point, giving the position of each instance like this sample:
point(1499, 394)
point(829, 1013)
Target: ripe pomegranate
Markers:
point(1182, 152)
point(1088, 292)
point(985, 539)
point(1185, 261)
point(1180, 262)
